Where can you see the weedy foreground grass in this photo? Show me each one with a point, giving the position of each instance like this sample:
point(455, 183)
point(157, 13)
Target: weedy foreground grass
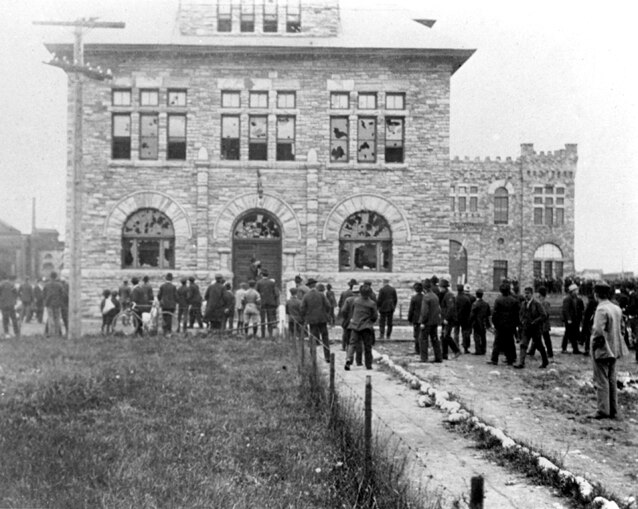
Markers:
point(188, 422)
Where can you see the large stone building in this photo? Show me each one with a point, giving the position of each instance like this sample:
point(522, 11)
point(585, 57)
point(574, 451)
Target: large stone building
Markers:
point(312, 138)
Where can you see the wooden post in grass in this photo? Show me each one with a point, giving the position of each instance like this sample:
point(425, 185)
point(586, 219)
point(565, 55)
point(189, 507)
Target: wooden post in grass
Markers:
point(313, 361)
point(367, 431)
point(302, 352)
point(476, 493)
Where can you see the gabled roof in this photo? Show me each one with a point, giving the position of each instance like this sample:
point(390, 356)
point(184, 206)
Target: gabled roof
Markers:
point(7, 229)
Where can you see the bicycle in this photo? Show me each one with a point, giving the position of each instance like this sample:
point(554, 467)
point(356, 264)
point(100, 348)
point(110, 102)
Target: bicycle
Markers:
point(126, 321)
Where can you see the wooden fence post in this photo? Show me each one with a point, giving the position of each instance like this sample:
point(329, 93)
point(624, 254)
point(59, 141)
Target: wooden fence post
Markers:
point(302, 352)
point(476, 493)
point(313, 363)
point(367, 430)
point(332, 382)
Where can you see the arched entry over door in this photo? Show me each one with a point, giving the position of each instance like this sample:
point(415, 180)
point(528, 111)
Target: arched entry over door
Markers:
point(458, 264)
point(256, 236)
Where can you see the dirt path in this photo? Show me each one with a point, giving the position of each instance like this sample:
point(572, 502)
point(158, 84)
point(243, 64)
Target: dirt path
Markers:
point(439, 460)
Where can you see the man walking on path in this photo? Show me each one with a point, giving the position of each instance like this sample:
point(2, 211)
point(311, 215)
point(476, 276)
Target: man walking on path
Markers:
point(448, 316)
point(505, 319)
point(531, 317)
point(463, 310)
point(314, 309)
point(480, 322)
point(167, 297)
point(269, 293)
point(414, 315)
point(8, 299)
point(364, 314)
point(430, 318)
point(573, 308)
point(342, 300)
point(217, 303)
point(386, 303)
point(607, 346)
point(346, 315)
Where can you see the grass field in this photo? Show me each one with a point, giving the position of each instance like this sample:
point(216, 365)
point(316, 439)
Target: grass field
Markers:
point(188, 422)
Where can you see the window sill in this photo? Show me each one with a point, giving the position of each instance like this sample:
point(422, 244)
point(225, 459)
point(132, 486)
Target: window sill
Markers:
point(148, 163)
point(367, 166)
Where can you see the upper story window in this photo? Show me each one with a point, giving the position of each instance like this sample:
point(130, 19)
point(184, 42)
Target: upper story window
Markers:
point(339, 100)
point(247, 16)
point(230, 137)
point(224, 16)
point(149, 97)
point(286, 99)
point(501, 206)
point(339, 139)
point(121, 136)
point(270, 16)
point(149, 135)
point(549, 205)
point(230, 99)
point(293, 17)
point(367, 101)
point(285, 138)
point(176, 97)
point(394, 139)
point(394, 101)
point(464, 198)
point(121, 97)
point(258, 100)
point(257, 137)
point(367, 140)
point(176, 137)
point(148, 240)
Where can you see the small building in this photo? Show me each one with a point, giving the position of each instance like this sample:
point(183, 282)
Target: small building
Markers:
point(312, 138)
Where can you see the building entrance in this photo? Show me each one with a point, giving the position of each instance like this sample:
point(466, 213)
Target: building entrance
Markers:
point(256, 238)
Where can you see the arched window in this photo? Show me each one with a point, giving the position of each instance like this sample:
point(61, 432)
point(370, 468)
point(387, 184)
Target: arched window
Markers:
point(501, 206)
point(365, 242)
point(148, 240)
point(548, 262)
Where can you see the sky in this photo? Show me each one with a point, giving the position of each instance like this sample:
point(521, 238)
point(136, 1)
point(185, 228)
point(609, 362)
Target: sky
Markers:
point(545, 72)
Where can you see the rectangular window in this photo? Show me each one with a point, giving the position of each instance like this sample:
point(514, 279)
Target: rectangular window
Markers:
point(121, 144)
point(247, 18)
point(558, 270)
point(293, 17)
point(224, 16)
point(548, 268)
point(538, 215)
point(560, 217)
point(258, 100)
point(270, 16)
point(549, 216)
point(538, 269)
point(285, 138)
point(257, 138)
point(462, 204)
point(176, 97)
point(452, 203)
point(473, 204)
point(394, 101)
point(394, 139)
point(121, 97)
point(339, 100)
point(149, 97)
point(286, 99)
point(501, 209)
point(176, 134)
point(149, 135)
point(367, 140)
point(367, 101)
point(560, 190)
point(500, 273)
point(230, 137)
point(230, 99)
point(339, 139)
point(538, 190)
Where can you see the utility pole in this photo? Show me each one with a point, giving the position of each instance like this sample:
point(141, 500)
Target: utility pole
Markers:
point(77, 70)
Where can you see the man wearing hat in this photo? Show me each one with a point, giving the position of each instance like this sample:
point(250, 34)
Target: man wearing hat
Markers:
point(167, 297)
point(218, 304)
point(414, 313)
point(386, 303)
point(194, 300)
point(463, 310)
point(182, 305)
point(573, 308)
point(342, 300)
point(607, 346)
point(448, 315)
point(269, 293)
point(315, 310)
point(430, 318)
point(302, 289)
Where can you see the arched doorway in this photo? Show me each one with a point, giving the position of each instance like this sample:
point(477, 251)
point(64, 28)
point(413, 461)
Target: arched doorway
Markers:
point(256, 236)
point(458, 264)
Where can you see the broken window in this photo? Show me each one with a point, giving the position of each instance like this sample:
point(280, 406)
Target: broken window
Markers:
point(339, 136)
point(257, 138)
point(176, 97)
point(270, 16)
point(230, 99)
point(224, 16)
point(230, 137)
point(121, 97)
point(258, 100)
point(293, 17)
point(339, 100)
point(367, 140)
point(285, 138)
point(365, 243)
point(286, 99)
point(394, 139)
point(121, 140)
point(394, 101)
point(501, 206)
point(367, 100)
point(149, 97)
point(247, 17)
point(257, 225)
point(149, 135)
point(176, 146)
point(148, 240)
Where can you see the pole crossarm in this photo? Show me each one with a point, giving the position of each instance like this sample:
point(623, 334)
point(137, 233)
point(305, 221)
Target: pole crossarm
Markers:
point(84, 23)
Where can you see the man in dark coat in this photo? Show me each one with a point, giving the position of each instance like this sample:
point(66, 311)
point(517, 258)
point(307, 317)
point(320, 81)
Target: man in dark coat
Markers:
point(430, 319)
point(346, 314)
point(531, 317)
point(140, 302)
point(124, 292)
point(463, 310)
point(364, 314)
point(167, 297)
point(269, 293)
point(182, 305)
point(480, 322)
point(26, 297)
point(38, 299)
point(8, 299)
point(386, 304)
point(414, 313)
point(315, 309)
point(342, 300)
point(217, 303)
point(230, 297)
point(573, 309)
point(194, 299)
point(53, 301)
point(505, 319)
point(448, 315)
